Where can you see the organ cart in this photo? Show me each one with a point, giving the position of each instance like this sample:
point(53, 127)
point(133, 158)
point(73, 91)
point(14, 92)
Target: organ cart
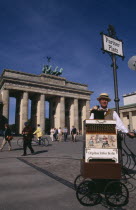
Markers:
point(101, 166)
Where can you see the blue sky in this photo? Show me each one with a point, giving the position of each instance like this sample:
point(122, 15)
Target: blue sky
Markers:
point(69, 32)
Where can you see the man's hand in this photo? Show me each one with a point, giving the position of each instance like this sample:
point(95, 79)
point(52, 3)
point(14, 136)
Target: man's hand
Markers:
point(95, 107)
point(131, 135)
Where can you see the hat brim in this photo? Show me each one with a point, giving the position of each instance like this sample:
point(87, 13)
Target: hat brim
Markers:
point(107, 98)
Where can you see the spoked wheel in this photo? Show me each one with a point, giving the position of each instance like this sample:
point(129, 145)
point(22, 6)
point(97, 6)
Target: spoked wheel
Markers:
point(116, 194)
point(86, 193)
point(44, 142)
point(20, 142)
point(34, 142)
point(78, 180)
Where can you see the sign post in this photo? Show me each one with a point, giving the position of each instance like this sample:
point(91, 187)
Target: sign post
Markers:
point(113, 46)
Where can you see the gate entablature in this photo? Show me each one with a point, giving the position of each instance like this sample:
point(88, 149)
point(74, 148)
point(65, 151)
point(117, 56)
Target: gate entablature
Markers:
point(49, 84)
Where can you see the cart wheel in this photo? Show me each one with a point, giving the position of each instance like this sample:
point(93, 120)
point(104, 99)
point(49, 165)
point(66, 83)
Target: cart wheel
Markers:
point(116, 194)
point(86, 193)
point(78, 180)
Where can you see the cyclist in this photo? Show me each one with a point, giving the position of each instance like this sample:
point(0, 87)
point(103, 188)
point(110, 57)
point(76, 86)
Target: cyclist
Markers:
point(38, 133)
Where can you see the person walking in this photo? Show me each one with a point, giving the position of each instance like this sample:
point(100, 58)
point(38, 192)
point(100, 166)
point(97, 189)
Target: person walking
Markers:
point(52, 134)
point(65, 132)
point(7, 139)
point(27, 137)
point(3, 121)
point(38, 133)
point(59, 134)
point(73, 133)
point(55, 135)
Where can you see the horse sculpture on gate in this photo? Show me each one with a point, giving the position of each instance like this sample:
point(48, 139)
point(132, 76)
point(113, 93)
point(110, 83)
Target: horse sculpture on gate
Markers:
point(47, 69)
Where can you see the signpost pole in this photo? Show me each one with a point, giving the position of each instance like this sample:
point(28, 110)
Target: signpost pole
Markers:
point(115, 83)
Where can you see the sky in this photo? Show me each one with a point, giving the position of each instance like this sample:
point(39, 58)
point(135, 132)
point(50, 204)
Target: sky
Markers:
point(69, 32)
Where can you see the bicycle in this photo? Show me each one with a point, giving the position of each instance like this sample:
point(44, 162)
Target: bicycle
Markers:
point(43, 141)
point(35, 142)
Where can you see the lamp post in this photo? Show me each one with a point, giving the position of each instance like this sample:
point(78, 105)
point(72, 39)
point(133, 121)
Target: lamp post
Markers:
point(115, 83)
point(113, 46)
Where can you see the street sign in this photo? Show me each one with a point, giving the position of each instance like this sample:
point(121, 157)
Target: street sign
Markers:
point(112, 45)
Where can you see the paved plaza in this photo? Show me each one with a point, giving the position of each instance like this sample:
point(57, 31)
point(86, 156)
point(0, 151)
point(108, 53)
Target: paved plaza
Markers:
point(44, 181)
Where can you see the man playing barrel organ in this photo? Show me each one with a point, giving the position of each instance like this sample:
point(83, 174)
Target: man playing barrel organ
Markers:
point(102, 112)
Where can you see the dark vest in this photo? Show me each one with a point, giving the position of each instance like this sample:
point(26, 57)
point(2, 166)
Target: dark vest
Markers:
point(99, 114)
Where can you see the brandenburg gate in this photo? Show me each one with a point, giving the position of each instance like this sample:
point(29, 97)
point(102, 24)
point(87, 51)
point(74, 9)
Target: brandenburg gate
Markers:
point(69, 102)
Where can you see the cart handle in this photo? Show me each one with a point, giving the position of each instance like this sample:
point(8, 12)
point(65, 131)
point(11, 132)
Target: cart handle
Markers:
point(128, 134)
point(101, 122)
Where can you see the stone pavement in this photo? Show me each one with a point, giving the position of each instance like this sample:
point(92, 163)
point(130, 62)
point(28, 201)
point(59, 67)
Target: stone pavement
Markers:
point(43, 181)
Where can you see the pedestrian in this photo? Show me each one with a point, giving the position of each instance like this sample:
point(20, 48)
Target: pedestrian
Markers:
point(55, 135)
point(52, 134)
point(65, 132)
point(73, 133)
point(3, 121)
point(59, 134)
point(27, 137)
point(38, 133)
point(7, 137)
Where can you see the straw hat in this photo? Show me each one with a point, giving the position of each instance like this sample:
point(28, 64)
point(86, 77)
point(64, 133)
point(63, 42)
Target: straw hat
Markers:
point(105, 96)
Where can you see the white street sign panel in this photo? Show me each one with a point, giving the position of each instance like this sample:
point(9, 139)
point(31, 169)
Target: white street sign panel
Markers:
point(101, 154)
point(112, 45)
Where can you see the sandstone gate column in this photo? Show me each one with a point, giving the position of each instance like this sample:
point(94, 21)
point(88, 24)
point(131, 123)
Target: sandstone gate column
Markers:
point(84, 114)
point(62, 112)
point(5, 100)
point(87, 109)
point(23, 110)
point(71, 113)
point(76, 116)
point(121, 116)
point(41, 112)
point(55, 106)
point(130, 121)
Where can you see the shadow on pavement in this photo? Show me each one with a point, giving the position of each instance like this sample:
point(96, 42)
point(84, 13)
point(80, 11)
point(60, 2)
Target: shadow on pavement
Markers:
point(51, 175)
point(16, 149)
point(39, 152)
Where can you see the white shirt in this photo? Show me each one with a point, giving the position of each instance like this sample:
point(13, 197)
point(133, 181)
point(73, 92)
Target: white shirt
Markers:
point(119, 124)
point(59, 131)
point(52, 131)
point(65, 130)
